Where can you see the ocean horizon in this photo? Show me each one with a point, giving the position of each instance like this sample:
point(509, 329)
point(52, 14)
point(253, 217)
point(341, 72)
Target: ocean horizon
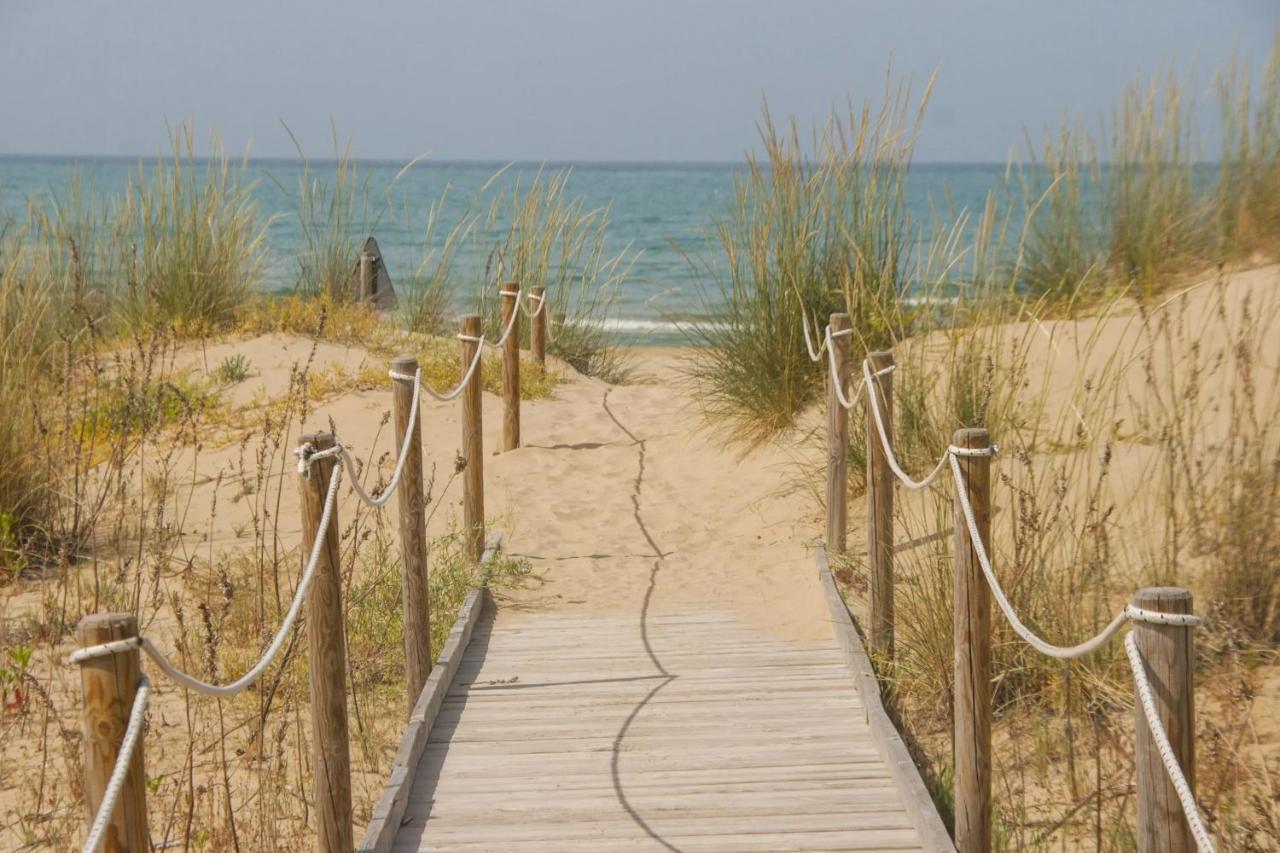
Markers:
point(661, 215)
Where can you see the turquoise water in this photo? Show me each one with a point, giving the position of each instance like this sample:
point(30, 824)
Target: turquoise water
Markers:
point(660, 211)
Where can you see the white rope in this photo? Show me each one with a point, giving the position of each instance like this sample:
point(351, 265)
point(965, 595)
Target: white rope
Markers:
point(124, 758)
point(984, 560)
point(286, 626)
point(389, 489)
point(104, 649)
point(451, 394)
point(1176, 776)
point(868, 379)
point(511, 323)
point(542, 304)
point(846, 402)
point(814, 354)
point(1129, 613)
point(1141, 614)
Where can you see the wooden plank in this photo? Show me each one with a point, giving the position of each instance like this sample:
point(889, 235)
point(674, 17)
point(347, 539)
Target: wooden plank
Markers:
point(621, 825)
point(915, 795)
point(880, 840)
point(389, 810)
point(582, 732)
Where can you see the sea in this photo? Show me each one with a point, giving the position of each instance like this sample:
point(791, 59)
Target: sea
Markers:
point(661, 216)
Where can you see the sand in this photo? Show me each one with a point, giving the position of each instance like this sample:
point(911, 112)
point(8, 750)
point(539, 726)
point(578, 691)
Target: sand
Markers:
point(623, 497)
point(607, 479)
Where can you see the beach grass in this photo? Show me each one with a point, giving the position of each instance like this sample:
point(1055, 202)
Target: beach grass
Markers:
point(552, 239)
point(810, 230)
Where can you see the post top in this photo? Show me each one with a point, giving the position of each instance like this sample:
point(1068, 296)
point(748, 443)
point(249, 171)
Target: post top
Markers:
point(404, 364)
point(972, 437)
point(471, 324)
point(840, 320)
point(318, 440)
point(125, 624)
point(880, 358)
point(536, 288)
point(1169, 599)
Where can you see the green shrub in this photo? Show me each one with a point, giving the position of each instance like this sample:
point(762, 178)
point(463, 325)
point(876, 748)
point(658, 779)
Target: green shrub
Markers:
point(809, 231)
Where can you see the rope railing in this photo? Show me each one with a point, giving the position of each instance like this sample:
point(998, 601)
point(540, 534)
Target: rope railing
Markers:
point(868, 381)
point(815, 355)
point(452, 393)
point(511, 324)
point(277, 642)
point(319, 588)
point(827, 338)
point(542, 304)
point(1130, 613)
point(308, 456)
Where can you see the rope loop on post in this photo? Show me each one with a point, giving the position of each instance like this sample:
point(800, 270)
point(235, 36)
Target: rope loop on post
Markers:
point(511, 323)
point(542, 304)
point(452, 393)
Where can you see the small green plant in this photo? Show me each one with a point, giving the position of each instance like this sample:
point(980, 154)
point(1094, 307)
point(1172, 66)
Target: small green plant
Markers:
point(138, 405)
point(234, 368)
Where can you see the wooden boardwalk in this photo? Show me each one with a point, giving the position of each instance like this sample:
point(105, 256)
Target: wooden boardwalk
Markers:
point(682, 731)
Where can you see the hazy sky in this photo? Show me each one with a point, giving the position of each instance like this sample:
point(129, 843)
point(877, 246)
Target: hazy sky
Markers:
point(584, 80)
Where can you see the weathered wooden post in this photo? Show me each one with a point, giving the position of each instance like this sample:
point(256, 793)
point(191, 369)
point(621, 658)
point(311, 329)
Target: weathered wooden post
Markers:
point(108, 685)
point(880, 510)
point(1169, 654)
point(413, 533)
point(510, 369)
point(472, 442)
point(326, 639)
point(972, 654)
point(368, 282)
point(538, 332)
point(838, 439)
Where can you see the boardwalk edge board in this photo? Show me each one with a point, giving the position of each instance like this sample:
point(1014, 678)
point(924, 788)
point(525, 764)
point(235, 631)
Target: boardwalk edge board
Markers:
point(915, 795)
point(390, 808)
